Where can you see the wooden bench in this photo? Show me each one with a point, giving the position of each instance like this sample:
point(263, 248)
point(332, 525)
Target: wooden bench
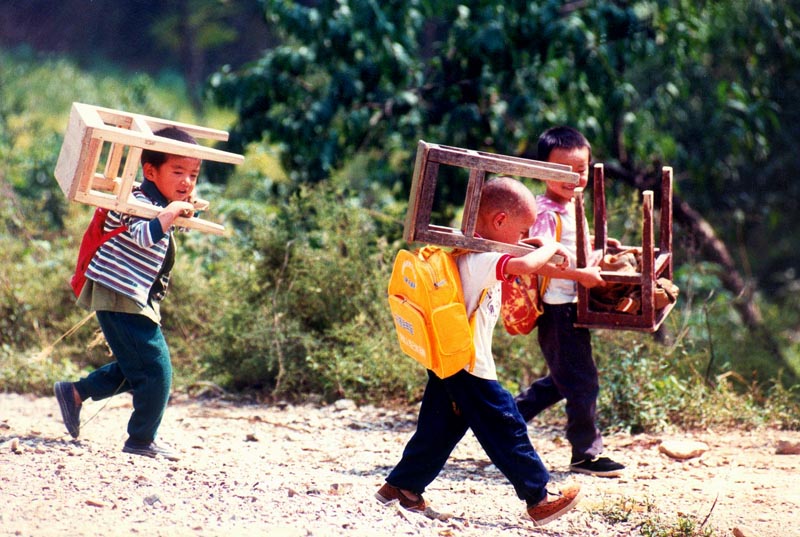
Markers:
point(656, 262)
point(101, 141)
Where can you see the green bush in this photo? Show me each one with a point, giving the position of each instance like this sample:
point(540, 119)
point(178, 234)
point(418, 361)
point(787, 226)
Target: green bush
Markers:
point(303, 304)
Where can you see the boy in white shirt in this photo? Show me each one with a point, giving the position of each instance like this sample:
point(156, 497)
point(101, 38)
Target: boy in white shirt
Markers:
point(475, 399)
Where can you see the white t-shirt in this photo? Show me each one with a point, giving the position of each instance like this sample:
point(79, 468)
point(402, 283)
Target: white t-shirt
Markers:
point(479, 271)
point(560, 290)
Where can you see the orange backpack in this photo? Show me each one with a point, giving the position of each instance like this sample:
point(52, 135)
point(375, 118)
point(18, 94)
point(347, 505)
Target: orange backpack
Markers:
point(522, 298)
point(427, 304)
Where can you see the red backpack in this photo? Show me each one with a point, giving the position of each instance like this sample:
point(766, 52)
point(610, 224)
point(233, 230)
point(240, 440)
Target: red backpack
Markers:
point(522, 298)
point(93, 239)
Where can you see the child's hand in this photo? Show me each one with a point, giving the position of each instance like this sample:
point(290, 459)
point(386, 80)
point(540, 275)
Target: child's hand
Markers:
point(590, 277)
point(180, 208)
point(562, 259)
point(172, 211)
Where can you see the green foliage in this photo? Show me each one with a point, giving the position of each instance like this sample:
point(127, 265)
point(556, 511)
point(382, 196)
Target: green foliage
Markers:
point(32, 373)
point(647, 385)
point(303, 304)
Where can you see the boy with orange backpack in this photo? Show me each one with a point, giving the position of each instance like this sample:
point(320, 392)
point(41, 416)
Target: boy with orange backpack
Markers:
point(125, 282)
point(473, 398)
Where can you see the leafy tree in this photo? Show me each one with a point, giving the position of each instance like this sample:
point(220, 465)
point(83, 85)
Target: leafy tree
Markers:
point(692, 84)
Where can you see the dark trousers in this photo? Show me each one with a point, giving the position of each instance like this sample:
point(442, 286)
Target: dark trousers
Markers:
point(142, 366)
point(451, 406)
point(572, 376)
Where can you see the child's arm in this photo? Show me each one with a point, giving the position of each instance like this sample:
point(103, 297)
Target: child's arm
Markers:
point(588, 277)
point(537, 260)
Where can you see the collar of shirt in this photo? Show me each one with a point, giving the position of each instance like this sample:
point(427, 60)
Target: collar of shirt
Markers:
point(151, 191)
point(546, 204)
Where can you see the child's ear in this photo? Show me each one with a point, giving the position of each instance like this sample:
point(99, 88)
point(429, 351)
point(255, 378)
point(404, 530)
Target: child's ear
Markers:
point(499, 219)
point(147, 169)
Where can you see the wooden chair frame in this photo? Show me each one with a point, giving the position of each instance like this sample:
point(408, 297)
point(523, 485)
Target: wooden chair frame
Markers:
point(656, 262)
point(430, 157)
point(93, 131)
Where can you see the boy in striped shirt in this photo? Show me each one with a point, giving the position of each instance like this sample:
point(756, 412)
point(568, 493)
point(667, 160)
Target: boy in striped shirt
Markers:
point(125, 282)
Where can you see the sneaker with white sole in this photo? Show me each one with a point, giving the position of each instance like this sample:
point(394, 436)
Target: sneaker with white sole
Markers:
point(151, 450)
point(599, 466)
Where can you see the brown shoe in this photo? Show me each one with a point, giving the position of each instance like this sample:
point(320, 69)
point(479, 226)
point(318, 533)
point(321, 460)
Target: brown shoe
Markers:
point(555, 504)
point(387, 494)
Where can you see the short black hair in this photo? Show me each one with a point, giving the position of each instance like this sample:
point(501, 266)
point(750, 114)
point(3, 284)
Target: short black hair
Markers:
point(561, 137)
point(157, 158)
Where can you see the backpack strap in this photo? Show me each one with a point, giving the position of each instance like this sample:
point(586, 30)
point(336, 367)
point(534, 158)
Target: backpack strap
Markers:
point(456, 253)
point(544, 281)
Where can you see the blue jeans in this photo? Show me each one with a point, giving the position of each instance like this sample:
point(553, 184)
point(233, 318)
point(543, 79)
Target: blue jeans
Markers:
point(572, 376)
point(142, 365)
point(451, 406)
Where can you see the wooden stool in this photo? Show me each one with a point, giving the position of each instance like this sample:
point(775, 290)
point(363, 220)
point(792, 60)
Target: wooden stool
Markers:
point(655, 262)
point(430, 157)
point(94, 132)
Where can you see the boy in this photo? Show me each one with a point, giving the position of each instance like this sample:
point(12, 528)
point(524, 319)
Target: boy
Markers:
point(475, 399)
point(567, 349)
point(125, 282)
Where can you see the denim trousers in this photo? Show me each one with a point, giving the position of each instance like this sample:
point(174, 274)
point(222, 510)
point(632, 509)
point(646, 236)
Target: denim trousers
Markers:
point(572, 376)
point(451, 406)
point(142, 366)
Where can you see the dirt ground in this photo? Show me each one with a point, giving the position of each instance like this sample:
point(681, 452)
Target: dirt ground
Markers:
point(284, 470)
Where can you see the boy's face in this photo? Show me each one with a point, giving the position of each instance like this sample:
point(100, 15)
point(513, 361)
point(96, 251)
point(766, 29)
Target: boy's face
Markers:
point(578, 158)
point(176, 177)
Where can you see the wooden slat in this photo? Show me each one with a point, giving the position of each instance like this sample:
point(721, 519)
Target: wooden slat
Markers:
point(110, 116)
point(472, 204)
point(501, 164)
point(665, 234)
point(600, 218)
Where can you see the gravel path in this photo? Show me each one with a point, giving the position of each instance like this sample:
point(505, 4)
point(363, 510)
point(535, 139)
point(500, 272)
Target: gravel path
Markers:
point(286, 470)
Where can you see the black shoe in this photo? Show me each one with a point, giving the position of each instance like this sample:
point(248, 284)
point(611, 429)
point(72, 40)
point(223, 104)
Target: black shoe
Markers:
point(151, 450)
point(600, 467)
point(70, 412)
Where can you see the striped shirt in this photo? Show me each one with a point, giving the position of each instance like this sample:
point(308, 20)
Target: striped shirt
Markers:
point(130, 262)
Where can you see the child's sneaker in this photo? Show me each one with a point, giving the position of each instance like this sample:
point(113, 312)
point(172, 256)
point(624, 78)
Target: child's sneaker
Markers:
point(151, 450)
point(387, 494)
point(599, 466)
point(70, 410)
point(555, 504)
